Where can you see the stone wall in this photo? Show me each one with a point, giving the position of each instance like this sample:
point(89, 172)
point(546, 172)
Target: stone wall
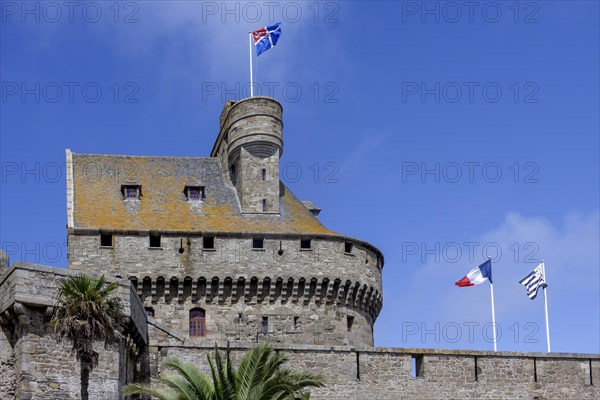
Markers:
point(257, 179)
point(130, 255)
point(47, 370)
point(307, 294)
point(243, 322)
point(7, 361)
point(387, 374)
point(34, 365)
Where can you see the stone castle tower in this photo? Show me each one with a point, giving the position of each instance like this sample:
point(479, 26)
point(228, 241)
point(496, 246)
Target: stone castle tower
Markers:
point(218, 247)
point(215, 250)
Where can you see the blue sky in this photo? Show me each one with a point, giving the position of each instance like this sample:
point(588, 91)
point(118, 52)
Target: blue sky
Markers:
point(442, 133)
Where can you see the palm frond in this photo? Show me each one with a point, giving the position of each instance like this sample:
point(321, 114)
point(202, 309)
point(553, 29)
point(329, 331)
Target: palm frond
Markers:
point(260, 376)
point(142, 388)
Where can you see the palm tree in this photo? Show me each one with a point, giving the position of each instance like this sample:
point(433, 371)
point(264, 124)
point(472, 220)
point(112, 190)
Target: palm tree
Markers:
point(86, 311)
point(259, 377)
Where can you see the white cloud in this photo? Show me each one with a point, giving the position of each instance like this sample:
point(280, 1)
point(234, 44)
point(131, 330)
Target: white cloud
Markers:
point(571, 250)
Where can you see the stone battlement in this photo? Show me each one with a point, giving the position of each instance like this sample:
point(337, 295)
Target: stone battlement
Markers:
point(227, 291)
point(368, 373)
point(34, 366)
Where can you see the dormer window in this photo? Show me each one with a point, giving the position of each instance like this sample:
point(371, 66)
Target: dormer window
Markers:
point(194, 193)
point(131, 192)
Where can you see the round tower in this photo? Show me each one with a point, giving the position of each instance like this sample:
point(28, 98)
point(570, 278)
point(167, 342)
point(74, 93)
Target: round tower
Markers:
point(255, 125)
point(251, 140)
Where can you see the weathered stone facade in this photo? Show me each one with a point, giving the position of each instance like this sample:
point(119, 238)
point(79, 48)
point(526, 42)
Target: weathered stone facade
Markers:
point(307, 294)
point(386, 374)
point(33, 365)
point(271, 269)
point(215, 250)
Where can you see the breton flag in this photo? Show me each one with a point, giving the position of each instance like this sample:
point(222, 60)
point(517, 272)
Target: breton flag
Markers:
point(266, 37)
point(534, 281)
point(477, 275)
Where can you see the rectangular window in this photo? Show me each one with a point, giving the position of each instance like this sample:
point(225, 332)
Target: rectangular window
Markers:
point(258, 243)
point(305, 244)
point(194, 193)
point(264, 205)
point(348, 247)
point(154, 240)
point(296, 322)
point(106, 240)
point(197, 322)
point(265, 325)
point(349, 322)
point(263, 174)
point(131, 192)
point(417, 366)
point(208, 242)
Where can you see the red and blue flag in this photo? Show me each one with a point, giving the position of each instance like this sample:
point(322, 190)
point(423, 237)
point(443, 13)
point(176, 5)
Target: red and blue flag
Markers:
point(477, 275)
point(266, 37)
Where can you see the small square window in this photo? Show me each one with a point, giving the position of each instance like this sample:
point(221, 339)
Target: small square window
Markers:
point(155, 241)
point(348, 247)
point(208, 242)
point(305, 244)
point(106, 240)
point(258, 243)
point(149, 311)
point(131, 192)
point(194, 193)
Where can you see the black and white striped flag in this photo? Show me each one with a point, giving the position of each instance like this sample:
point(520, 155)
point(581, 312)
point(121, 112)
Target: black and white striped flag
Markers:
point(534, 281)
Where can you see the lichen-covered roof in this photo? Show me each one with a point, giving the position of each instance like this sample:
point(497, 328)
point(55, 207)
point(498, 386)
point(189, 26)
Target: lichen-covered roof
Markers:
point(98, 202)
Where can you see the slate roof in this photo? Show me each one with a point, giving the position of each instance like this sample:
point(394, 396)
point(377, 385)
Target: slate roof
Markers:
point(98, 201)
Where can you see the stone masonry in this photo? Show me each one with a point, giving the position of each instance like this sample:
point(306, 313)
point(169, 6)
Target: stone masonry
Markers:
point(216, 250)
point(33, 365)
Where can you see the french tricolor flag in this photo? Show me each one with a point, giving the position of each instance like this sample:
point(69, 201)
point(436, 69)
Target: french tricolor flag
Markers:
point(477, 275)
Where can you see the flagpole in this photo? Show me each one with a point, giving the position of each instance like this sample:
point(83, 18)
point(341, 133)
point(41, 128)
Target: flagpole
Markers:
point(493, 312)
point(546, 305)
point(251, 78)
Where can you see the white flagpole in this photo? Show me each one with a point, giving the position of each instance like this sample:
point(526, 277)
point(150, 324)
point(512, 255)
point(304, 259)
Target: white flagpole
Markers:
point(251, 78)
point(546, 306)
point(493, 313)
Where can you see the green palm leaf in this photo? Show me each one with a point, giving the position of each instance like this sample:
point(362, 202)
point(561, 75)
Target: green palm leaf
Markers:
point(86, 311)
point(260, 376)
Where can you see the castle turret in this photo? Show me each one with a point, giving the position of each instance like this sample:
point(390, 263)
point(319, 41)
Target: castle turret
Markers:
point(217, 247)
point(250, 142)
